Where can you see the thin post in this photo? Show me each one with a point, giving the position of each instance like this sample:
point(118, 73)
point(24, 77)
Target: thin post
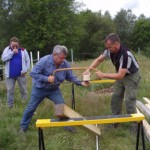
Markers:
point(41, 139)
point(97, 141)
point(142, 134)
point(31, 57)
point(72, 61)
point(138, 136)
point(73, 97)
point(139, 51)
point(38, 55)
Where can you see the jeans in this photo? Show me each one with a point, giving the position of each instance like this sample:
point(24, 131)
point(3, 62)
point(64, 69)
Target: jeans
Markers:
point(10, 82)
point(37, 96)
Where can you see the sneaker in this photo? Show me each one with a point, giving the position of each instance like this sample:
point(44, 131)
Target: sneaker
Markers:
point(70, 129)
point(10, 106)
point(22, 130)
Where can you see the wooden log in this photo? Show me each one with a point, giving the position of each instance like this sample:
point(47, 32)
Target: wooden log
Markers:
point(143, 109)
point(146, 100)
point(146, 127)
point(63, 111)
point(148, 106)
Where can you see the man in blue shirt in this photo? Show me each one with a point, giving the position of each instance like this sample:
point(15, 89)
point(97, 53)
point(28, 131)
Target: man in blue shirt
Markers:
point(45, 85)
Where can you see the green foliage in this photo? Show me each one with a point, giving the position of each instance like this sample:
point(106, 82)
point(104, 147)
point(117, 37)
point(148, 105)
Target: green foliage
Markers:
point(47, 22)
point(141, 35)
point(96, 27)
point(124, 21)
point(39, 24)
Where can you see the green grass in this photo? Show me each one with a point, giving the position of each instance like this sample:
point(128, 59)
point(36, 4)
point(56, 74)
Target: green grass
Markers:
point(88, 103)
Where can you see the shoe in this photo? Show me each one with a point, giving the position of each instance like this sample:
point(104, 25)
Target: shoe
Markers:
point(70, 129)
point(22, 130)
point(10, 106)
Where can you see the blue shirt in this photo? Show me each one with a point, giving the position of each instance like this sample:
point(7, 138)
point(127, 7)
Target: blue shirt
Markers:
point(45, 67)
point(15, 66)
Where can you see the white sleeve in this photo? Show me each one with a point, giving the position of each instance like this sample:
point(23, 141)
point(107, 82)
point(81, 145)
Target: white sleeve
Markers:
point(7, 54)
point(106, 53)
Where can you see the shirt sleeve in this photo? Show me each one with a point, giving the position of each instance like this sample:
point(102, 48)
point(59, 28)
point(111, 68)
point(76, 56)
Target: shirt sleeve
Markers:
point(7, 54)
point(37, 71)
point(106, 53)
point(71, 77)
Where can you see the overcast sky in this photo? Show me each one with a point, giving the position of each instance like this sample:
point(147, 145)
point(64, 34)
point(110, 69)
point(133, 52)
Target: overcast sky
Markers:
point(113, 6)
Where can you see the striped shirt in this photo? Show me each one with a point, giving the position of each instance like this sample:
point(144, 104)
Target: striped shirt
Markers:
point(123, 59)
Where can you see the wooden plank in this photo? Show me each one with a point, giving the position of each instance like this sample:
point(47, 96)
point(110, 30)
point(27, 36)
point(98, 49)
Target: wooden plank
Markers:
point(143, 108)
point(62, 111)
point(146, 100)
point(148, 106)
point(146, 127)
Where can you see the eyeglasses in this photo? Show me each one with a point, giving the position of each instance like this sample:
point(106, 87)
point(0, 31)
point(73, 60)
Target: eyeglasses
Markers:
point(61, 56)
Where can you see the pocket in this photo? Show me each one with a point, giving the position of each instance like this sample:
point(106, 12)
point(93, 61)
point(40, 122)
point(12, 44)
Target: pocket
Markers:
point(135, 78)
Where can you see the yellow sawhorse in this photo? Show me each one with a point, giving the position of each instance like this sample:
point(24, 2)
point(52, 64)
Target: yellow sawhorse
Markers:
point(44, 123)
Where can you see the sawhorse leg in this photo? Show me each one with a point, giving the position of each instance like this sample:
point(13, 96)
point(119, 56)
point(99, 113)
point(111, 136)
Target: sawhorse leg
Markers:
point(41, 139)
point(97, 142)
point(140, 126)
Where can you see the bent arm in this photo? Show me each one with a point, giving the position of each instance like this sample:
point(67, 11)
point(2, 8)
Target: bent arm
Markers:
point(97, 61)
point(37, 71)
point(117, 76)
point(7, 54)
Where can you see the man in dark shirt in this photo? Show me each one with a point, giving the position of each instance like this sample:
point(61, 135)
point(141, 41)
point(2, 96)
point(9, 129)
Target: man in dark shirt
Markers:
point(127, 74)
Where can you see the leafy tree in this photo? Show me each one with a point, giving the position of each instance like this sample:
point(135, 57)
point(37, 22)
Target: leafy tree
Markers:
point(125, 21)
point(39, 24)
point(141, 34)
point(107, 15)
point(6, 22)
point(142, 16)
point(96, 27)
point(46, 23)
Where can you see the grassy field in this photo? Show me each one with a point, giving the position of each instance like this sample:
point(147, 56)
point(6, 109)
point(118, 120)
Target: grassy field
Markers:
point(89, 102)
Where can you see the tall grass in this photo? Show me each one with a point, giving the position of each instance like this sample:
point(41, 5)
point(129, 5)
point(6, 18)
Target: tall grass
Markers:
point(88, 103)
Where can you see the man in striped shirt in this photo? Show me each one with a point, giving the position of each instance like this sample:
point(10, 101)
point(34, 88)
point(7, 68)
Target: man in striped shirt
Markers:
point(127, 74)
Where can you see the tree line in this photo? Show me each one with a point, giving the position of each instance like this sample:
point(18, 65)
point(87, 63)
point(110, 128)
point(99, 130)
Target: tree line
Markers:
point(42, 24)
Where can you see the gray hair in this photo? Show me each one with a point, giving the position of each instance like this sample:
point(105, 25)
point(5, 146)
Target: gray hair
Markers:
point(113, 37)
point(60, 49)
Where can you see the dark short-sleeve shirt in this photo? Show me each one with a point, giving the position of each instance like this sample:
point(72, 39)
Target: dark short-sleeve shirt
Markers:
point(123, 59)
